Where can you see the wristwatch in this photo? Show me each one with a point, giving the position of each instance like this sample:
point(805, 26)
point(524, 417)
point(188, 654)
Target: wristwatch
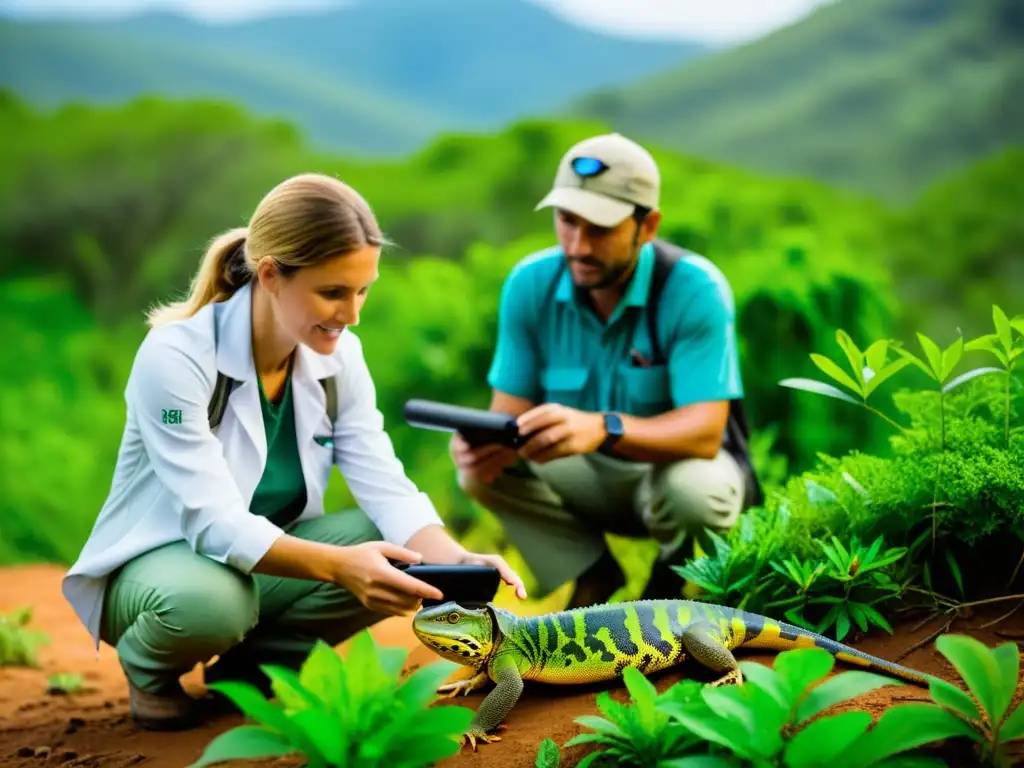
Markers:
point(613, 430)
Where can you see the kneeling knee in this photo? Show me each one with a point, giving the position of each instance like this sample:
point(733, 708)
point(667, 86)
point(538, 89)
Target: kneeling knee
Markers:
point(218, 614)
point(692, 494)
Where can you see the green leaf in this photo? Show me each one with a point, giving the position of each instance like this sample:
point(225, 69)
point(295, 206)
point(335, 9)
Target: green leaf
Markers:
point(841, 687)
point(988, 343)
point(955, 570)
point(768, 680)
point(902, 728)
point(823, 740)
point(286, 687)
point(947, 695)
point(548, 755)
point(819, 388)
point(977, 666)
point(321, 728)
point(880, 377)
point(710, 727)
point(1007, 658)
point(392, 659)
point(600, 726)
point(853, 354)
point(802, 667)
point(1012, 728)
point(420, 688)
point(832, 370)
point(641, 690)
point(910, 357)
point(245, 741)
point(842, 624)
point(951, 357)
point(875, 355)
point(1018, 324)
point(965, 377)
point(876, 617)
point(1003, 328)
point(933, 355)
point(697, 761)
point(912, 761)
point(323, 675)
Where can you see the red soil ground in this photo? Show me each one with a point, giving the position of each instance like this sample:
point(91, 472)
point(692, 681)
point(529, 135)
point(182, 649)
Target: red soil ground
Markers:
point(93, 729)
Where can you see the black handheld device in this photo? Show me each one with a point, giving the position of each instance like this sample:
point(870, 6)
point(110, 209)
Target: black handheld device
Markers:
point(471, 586)
point(478, 427)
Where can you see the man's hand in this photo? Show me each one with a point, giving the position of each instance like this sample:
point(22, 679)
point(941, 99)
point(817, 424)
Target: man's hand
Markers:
point(558, 431)
point(485, 463)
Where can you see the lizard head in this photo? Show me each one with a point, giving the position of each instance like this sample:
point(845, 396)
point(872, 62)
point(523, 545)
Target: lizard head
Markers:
point(462, 635)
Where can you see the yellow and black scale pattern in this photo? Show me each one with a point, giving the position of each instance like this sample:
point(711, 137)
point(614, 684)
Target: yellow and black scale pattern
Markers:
point(596, 643)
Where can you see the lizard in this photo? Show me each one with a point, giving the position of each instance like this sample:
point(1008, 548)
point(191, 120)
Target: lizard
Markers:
point(596, 643)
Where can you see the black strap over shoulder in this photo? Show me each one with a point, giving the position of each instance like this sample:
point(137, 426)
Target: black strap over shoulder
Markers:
point(737, 430)
point(225, 385)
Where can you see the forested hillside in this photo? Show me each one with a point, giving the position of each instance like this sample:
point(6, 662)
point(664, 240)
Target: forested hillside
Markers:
point(884, 96)
point(380, 77)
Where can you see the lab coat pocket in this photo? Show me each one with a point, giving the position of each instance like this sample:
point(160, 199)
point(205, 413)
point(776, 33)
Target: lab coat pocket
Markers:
point(648, 391)
point(564, 384)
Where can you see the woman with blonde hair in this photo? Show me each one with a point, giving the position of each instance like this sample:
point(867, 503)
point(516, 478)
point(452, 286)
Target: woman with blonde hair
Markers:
point(241, 399)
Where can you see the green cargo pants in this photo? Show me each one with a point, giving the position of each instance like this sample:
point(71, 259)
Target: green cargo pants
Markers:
point(170, 609)
point(556, 514)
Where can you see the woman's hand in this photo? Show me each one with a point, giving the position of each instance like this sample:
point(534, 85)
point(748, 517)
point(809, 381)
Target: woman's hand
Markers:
point(364, 570)
point(508, 575)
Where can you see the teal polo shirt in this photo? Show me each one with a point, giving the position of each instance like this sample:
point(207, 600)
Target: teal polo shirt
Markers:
point(551, 347)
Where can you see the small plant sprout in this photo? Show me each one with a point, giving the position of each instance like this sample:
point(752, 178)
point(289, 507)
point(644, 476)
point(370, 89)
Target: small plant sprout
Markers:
point(65, 684)
point(18, 643)
point(1004, 346)
point(869, 369)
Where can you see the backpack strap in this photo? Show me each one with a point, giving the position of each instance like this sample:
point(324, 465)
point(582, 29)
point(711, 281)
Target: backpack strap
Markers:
point(665, 257)
point(330, 385)
point(225, 385)
point(737, 429)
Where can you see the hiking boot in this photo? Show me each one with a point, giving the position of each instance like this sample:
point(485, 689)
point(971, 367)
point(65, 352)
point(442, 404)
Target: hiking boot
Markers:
point(170, 710)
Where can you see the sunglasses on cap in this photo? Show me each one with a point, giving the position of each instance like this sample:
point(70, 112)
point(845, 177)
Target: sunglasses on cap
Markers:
point(587, 167)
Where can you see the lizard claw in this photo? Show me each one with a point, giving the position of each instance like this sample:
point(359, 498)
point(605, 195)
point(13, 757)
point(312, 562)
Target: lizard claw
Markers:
point(478, 733)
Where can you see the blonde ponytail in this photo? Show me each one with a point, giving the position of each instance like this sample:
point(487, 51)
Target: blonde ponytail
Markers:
point(302, 222)
point(221, 273)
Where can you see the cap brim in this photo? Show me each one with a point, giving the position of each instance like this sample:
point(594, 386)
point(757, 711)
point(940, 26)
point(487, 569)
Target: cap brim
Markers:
point(595, 208)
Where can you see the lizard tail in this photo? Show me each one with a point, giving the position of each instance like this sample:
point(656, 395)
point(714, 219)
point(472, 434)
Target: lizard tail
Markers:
point(779, 636)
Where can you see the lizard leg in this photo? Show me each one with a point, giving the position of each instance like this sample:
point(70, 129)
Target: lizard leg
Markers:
point(497, 703)
point(466, 686)
point(703, 646)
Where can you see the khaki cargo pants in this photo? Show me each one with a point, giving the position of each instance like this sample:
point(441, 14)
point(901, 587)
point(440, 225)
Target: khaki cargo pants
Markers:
point(556, 514)
point(170, 609)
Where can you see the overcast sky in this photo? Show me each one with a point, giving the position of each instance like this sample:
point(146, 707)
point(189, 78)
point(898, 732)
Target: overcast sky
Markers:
point(714, 21)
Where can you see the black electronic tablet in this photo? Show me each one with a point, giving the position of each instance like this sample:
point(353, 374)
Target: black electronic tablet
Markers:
point(467, 585)
point(478, 427)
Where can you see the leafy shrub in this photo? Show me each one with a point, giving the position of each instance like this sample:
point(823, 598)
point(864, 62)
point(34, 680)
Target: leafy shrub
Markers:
point(949, 486)
point(342, 713)
point(777, 717)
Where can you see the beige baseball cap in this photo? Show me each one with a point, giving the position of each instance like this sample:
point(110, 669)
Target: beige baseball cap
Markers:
point(603, 178)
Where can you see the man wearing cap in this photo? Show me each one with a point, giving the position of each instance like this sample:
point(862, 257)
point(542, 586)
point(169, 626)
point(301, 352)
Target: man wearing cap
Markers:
point(629, 433)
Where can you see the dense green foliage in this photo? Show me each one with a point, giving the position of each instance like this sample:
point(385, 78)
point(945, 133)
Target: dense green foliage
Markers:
point(783, 716)
point(944, 506)
point(884, 96)
point(383, 76)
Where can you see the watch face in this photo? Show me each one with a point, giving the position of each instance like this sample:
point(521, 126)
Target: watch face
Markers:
point(613, 424)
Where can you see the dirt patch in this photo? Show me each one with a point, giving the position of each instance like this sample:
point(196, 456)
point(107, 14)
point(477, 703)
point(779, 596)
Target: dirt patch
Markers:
point(93, 730)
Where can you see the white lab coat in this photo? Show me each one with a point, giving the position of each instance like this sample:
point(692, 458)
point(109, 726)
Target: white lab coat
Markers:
point(179, 481)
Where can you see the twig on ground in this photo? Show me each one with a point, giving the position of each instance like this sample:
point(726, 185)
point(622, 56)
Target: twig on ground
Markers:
point(927, 640)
